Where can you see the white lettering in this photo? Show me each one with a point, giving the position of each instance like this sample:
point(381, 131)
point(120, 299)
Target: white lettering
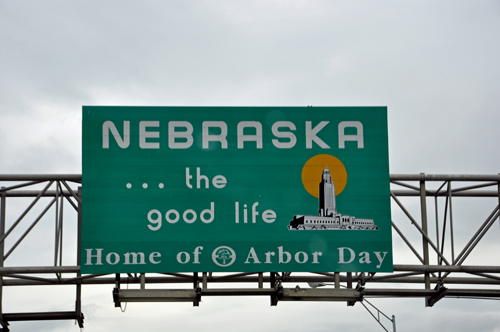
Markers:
point(176, 214)
point(364, 258)
point(269, 216)
point(153, 256)
point(196, 253)
point(180, 134)
point(356, 138)
point(186, 257)
point(248, 138)
point(292, 140)
point(189, 216)
point(315, 256)
point(200, 177)
point(143, 134)
point(115, 255)
point(186, 136)
point(254, 212)
point(312, 132)
point(193, 216)
point(380, 258)
point(130, 258)
point(252, 255)
point(237, 212)
point(304, 257)
point(282, 253)
point(156, 221)
point(188, 178)
point(134, 258)
point(219, 181)
point(268, 256)
point(211, 214)
point(341, 255)
point(122, 143)
point(98, 256)
point(214, 138)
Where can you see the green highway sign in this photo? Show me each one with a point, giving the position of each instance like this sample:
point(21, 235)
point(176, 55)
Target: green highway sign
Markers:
point(235, 189)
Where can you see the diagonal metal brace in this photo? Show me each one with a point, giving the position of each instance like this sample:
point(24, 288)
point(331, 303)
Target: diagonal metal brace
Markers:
point(420, 229)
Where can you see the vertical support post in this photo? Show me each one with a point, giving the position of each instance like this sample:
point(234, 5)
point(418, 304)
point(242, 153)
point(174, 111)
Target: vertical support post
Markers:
point(437, 225)
point(78, 305)
point(56, 236)
point(445, 218)
point(337, 280)
point(274, 297)
point(423, 212)
point(499, 199)
point(393, 323)
point(205, 280)
point(117, 280)
point(261, 280)
point(116, 291)
point(196, 303)
point(195, 280)
point(2, 244)
point(143, 280)
point(61, 224)
point(349, 286)
point(451, 224)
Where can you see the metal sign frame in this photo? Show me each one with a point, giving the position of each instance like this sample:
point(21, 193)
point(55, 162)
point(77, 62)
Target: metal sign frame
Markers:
point(441, 267)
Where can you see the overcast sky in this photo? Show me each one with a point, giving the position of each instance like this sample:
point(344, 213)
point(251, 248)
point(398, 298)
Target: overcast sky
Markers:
point(434, 64)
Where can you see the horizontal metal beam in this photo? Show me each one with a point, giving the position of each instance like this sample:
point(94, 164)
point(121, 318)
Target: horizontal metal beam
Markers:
point(468, 193)
point(35, 193)
point(447, 268)
point(387, 292)
point(190, 295)
point(325, 294)
point(444, 177)
point(154, 295)
point(397, 268)
point(56, 315)
point(237, 291)
point(292, 294)
point(393, 177)
point(397, 192)
point(386, 279)
point(41, 177)
point(5, 271)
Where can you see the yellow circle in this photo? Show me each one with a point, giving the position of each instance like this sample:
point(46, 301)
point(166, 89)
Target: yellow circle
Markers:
point(313, 170)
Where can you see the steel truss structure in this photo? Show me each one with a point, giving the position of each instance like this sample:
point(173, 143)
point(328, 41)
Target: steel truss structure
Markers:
point(427, 236)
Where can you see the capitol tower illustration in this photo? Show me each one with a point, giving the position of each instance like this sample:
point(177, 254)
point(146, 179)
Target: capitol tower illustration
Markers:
point(327, 195)
point(328, 218)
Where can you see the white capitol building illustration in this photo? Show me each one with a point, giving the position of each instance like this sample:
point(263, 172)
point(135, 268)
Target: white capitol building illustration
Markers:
point(328, 218)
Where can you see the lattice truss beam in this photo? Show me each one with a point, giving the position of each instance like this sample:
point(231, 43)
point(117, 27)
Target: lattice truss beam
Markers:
point(443, 239)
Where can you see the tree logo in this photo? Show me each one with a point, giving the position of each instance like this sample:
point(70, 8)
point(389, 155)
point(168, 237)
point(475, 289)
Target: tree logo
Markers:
point(223, 256)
